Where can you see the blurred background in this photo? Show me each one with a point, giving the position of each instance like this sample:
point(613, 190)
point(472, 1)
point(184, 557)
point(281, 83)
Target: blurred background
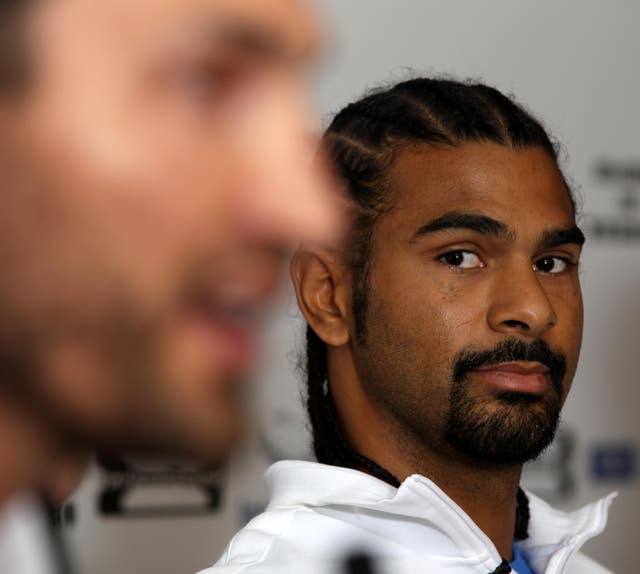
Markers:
point(575, 64)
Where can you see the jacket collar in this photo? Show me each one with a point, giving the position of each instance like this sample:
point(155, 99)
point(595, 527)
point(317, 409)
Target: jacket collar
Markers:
point(554, 535)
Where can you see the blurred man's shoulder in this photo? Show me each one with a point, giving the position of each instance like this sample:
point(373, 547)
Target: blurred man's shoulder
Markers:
point(26, 545)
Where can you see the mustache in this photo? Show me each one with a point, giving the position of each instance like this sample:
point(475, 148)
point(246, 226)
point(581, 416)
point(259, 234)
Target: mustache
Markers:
point(509, 351)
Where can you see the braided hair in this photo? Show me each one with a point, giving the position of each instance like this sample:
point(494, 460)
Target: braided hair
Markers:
point(362, 141)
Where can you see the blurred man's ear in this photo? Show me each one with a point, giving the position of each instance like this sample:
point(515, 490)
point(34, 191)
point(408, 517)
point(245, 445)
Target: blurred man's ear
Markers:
point(323, 293)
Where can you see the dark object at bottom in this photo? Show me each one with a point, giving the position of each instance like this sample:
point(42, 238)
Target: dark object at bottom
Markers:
point(504, 568)
point(363, 564)
point(359, 563)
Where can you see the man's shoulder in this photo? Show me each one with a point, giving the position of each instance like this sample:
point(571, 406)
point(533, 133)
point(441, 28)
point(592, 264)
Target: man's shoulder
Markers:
point(318, 516)
point(313, 540)
point(280, 536)
point(298, 526)
point(265, 536)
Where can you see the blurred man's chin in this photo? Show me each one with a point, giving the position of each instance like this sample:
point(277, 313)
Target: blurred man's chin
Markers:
point(209, 447)
point(213, 449)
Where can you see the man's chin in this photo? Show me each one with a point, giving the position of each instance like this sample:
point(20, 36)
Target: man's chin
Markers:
point(506, 428)
point(505, 439)
point(216, 454)
point(205, 444)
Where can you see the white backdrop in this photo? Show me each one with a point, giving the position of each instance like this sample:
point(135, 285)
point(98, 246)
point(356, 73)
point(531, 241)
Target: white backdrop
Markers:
point(575, 64)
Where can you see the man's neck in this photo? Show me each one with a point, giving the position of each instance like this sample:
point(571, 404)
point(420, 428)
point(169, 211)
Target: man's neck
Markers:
point(486, 493)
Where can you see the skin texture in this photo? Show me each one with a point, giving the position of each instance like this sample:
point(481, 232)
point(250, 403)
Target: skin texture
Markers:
point(155, 171)
point(393, 391)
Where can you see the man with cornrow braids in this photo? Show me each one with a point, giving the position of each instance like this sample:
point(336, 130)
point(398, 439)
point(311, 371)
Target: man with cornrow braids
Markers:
point(442, 340)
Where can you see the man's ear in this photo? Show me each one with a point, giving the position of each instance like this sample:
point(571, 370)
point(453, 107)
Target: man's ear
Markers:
point(323, 294)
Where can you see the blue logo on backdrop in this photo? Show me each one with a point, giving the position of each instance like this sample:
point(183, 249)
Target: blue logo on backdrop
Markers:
point(613, 462)
point(621, 182)
point(551, 476)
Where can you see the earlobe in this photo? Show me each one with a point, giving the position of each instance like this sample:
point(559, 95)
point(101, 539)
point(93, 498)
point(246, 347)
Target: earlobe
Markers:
point(322, 294)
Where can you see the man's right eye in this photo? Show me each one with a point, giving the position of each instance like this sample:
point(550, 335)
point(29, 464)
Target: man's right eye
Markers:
point(461, 259)
point(202, 82)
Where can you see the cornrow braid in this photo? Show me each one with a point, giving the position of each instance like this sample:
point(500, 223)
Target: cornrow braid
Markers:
point(362, 141)
point(522, 516)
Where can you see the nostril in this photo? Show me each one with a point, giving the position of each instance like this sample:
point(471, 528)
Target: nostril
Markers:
point(515, 324)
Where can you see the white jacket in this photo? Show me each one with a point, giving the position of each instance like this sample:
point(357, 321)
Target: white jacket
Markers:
point(320, 514)
point(25, 541)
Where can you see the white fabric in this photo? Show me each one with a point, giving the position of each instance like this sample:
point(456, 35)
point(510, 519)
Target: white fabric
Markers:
point(320, 514)
point(25, 543)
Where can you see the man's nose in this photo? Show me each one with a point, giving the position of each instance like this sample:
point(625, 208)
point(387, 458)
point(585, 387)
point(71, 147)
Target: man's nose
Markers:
point(520, 305)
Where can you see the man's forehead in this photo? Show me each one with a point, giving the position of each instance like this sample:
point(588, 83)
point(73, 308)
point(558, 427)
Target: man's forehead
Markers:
point(427, 181)
point(285, 22)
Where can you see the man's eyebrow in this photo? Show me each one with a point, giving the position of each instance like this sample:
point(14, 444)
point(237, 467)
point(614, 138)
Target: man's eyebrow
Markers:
point(253, 41)
point(471, 221)
point(555, 237)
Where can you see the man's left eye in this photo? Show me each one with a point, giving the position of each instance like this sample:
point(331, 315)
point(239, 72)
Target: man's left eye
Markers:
point(204, 83)
point(551, 265)
point(200, 82)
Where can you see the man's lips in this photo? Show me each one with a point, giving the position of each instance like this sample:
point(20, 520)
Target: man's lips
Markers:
point(520, 377)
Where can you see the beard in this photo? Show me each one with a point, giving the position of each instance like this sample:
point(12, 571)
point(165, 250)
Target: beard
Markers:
point(520, 426)
point(115, 350)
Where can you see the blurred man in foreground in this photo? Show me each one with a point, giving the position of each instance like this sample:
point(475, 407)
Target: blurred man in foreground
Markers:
point(443, 339)
point(155, 167)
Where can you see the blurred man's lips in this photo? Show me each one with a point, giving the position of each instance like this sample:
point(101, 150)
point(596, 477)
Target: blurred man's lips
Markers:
point(234, 333)
point(229, 318)
point(520, 377)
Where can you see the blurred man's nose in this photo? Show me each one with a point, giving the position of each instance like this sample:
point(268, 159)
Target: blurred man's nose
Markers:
point(289, 194)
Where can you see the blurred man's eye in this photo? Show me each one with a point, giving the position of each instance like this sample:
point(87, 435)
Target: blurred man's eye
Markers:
point(205, 83)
